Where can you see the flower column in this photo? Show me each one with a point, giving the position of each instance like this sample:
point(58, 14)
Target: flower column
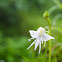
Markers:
point(46, 16)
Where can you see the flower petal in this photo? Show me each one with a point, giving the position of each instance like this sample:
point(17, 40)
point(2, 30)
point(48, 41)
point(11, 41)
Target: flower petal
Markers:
point(39, 48)
point(37, 43)
point(41, 40)
point(30, 39)
point(41, 30)
point(47, 37)
point(31, 45)
point(33, 33)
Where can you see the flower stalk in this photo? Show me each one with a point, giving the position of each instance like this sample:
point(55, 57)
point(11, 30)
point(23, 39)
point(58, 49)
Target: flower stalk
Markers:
point(46, 16)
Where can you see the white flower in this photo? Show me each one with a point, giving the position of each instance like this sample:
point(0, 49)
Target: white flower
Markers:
point(39, 37)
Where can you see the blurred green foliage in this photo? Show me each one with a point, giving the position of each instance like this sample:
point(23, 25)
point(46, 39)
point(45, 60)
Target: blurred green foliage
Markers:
point(17, 17)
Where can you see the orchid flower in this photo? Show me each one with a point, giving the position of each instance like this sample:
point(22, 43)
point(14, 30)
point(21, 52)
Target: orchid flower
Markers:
point(39, 37)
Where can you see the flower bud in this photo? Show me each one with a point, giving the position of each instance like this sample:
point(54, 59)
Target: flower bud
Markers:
point(45, 15)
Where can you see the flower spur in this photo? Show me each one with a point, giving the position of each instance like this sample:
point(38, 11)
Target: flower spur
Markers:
point(39, 37)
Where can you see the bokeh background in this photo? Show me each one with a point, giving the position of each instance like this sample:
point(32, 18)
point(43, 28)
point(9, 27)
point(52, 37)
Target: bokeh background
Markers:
point(17, 17)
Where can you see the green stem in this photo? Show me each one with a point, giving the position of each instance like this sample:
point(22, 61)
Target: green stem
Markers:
point(45, 54)
point(48, 20)
point(46, 16)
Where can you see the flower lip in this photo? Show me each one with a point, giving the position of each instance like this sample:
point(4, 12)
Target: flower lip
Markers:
point(41, 31)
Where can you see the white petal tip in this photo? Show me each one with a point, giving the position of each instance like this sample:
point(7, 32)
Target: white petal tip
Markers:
point(39, 53)
point(30, 30)
point(27, 48)
point(34, 49)
point(29, 39)
point(53, 38)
